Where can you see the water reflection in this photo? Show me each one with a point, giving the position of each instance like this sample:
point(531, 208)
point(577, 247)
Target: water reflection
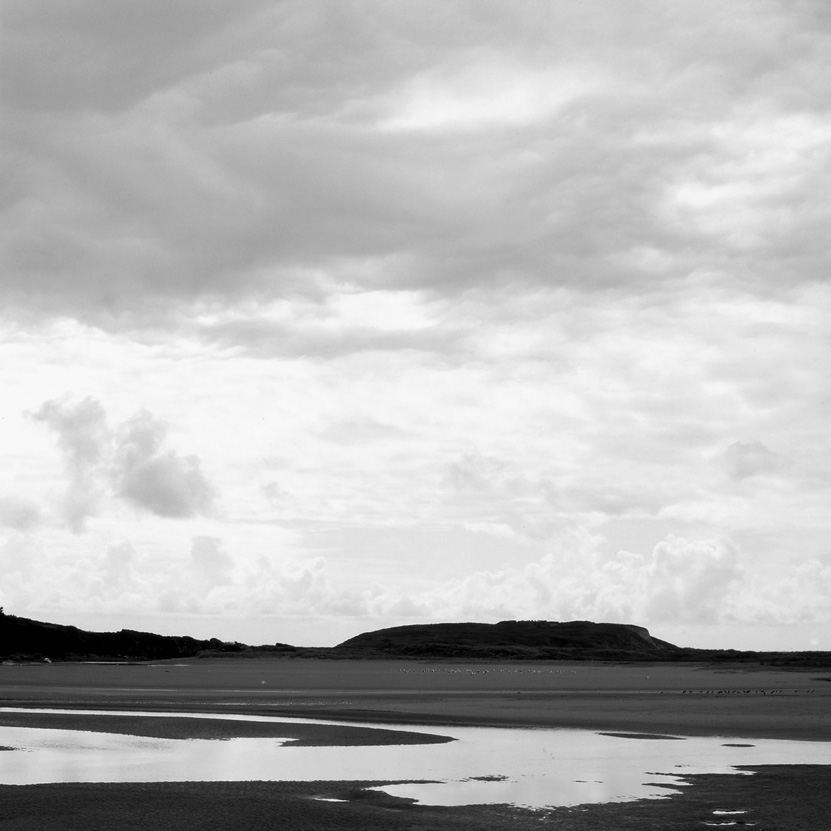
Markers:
point(529, 767)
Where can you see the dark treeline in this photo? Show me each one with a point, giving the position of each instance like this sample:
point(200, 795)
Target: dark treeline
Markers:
point(24, 639)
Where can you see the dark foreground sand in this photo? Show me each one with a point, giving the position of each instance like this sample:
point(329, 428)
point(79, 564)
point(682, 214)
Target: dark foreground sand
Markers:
point(794, 798)
point(685, 700)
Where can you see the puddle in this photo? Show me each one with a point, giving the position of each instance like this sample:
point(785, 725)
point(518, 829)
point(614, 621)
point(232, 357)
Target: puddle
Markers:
point(527, 767)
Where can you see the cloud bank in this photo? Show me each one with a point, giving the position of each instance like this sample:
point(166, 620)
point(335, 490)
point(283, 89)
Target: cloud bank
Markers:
point(372, 311)
point(588, 147)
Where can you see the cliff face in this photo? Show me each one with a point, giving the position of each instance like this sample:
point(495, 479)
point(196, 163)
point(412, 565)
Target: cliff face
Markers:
point(518, 639)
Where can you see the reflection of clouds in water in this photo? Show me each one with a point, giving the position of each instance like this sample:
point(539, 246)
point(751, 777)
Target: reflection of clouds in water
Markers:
point(530, 767)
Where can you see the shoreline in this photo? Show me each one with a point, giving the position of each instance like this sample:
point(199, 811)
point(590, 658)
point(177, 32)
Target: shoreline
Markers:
point(788, 798)
point(605, 698)
point(728, 718)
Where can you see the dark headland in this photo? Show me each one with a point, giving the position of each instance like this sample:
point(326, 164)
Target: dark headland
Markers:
point(23, 639)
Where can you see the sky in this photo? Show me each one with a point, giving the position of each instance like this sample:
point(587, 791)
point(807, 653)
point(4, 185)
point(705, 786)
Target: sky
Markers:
point(321, 317)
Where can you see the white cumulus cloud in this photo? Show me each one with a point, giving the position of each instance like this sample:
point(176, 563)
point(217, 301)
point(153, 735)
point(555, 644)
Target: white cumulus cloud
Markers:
point(156, 479)
point(130, 462)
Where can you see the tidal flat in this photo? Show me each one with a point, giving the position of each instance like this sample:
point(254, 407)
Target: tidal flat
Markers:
point(737, 703)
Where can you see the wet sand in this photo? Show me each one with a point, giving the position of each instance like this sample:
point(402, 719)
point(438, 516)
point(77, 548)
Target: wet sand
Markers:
point(796, 798)
point(298, 735)
point(741, 701)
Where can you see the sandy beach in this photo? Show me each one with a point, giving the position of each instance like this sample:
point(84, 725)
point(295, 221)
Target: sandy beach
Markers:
point(737, 701)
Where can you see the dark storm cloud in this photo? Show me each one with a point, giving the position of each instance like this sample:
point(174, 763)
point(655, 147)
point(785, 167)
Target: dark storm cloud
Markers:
point(95, 55)
point(162, 155)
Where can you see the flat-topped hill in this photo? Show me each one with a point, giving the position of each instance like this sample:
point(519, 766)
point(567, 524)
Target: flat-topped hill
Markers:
point(515, 638)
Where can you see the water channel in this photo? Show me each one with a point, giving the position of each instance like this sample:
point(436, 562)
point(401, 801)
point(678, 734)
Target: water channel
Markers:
point(527, 767)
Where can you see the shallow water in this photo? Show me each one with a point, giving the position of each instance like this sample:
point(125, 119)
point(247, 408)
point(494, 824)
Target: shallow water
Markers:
point(529, 767)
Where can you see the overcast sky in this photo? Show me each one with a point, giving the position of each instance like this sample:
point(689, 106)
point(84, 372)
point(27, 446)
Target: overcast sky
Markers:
point(318, 317)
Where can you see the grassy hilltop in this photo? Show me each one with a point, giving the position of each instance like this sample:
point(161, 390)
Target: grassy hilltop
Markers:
point(517, 639)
